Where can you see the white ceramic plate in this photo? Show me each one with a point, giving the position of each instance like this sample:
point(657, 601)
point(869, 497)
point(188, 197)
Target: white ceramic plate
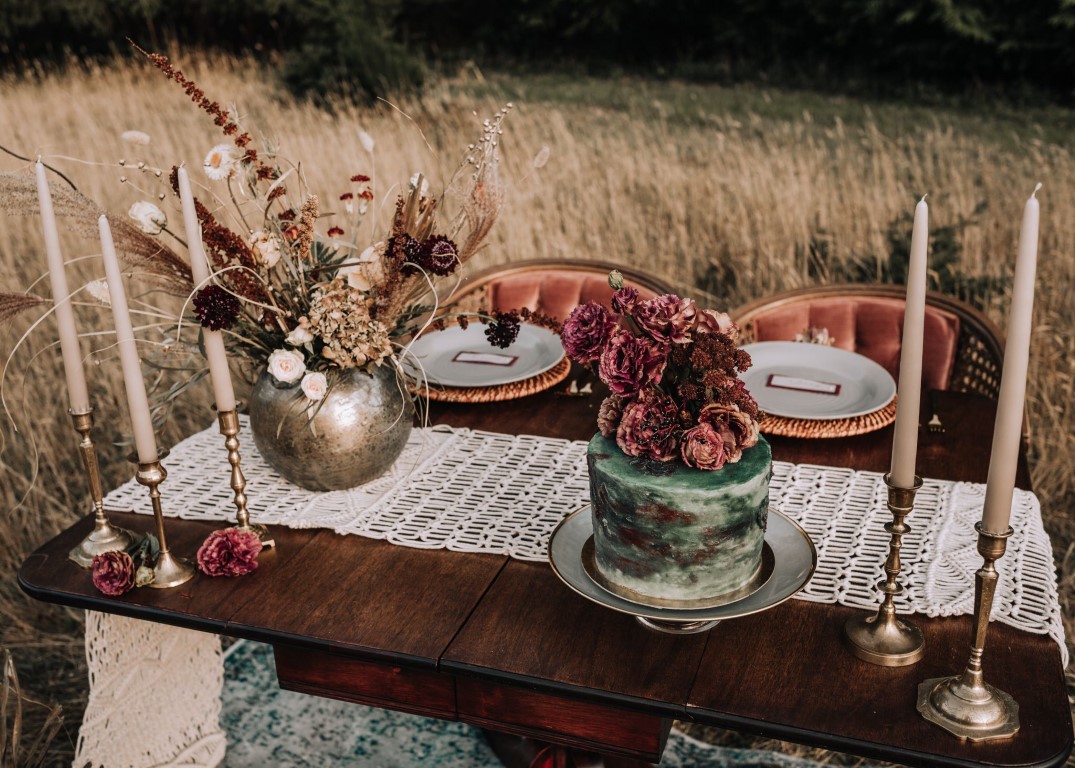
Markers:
point(457, 357)
point(794, 561)
point(812, 381)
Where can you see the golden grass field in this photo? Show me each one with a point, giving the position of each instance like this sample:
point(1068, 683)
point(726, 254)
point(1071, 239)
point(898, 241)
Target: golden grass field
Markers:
point(683, 180)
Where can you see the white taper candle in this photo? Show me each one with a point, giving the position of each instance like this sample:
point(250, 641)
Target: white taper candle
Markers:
point(905, 440)
point(77, 394)
point(141, 420)
point(199, 266)
point(1007, 429)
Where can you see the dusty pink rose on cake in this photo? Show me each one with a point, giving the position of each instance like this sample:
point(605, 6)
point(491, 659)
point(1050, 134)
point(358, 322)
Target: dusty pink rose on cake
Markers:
point(710, 321)
point(624, 300)
point(650, 427)
point(736, 429)
point(667, 319)
point(230, 552)
point(586, 331)
point(113, 573)
point(630, 362)
point(609, 415)
point(703, 448)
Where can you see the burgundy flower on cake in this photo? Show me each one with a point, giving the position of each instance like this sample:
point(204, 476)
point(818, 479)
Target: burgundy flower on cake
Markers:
point(113, 573)
point(629, 362)
point(586, 331)
point(667, 319)
point(674, 374)
point(650, 427)
point(230, 552)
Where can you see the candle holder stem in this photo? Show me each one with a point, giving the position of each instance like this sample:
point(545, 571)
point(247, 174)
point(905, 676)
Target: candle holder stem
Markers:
point(229, 427)
point(169, 571)
point(104, 537)
point(884, 638)
point(965, 705)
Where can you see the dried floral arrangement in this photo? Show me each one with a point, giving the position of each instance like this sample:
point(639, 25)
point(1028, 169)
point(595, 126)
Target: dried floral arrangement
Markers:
point(288, 291)
point(673, 372)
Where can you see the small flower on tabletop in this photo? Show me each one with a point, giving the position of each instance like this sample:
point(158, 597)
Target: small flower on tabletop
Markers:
point(586, 331)
point(113, 573)
point(629, 362)
point(220, 162)
point(314, 386)
point(287, 365)
point(216, 308)
point(609, 415)
point(150, 218)
point(667, 319)
point(503, 330)
point(229, 552)
point(266, 248)
point(135, 137)
point(615, 280)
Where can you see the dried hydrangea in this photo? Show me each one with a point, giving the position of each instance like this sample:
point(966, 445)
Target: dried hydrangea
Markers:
point(339, 315)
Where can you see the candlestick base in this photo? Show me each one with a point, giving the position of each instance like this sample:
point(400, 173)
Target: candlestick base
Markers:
point(104, 537)
point(885, 639)
point(965, 705)
point(229, 427)
point(968, 707)
point(171, 571)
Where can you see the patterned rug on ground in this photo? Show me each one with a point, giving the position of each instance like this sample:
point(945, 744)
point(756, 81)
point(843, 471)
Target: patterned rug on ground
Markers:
point(269, 726)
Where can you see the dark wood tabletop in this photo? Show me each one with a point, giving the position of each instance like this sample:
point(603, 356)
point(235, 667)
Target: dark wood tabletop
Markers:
point(504, 644)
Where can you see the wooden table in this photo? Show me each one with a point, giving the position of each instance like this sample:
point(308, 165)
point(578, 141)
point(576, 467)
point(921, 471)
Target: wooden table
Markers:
point(503, 644)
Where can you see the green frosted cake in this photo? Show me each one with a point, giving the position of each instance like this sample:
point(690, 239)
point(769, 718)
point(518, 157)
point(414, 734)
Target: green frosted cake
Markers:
point(668, 531)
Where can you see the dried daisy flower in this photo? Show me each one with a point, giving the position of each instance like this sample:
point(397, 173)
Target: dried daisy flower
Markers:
point(220, 162)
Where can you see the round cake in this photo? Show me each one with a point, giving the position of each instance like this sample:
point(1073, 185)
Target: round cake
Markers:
point(667, 531)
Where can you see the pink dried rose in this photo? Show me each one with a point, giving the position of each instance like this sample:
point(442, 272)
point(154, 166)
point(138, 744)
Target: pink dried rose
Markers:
point(710, 321)
point(702, 447)
point(113, 573)
point(737, 429)
point(624, 300)
point(229, 552)
point(609, 415)
point(668, 318)
point(629, 363)
point(650, 427)
point(586, 331)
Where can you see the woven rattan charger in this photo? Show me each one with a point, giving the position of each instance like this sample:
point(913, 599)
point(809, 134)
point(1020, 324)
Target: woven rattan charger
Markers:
point(820, 428)
point(531, 386)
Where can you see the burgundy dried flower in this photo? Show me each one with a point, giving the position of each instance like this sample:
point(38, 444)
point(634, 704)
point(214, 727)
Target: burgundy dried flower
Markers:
point(438, 255)
point(667, 318)
point(737, 430)
point(624, 300)
point(504, 329)
point(335, 231)
point(230, 552)
point(703, 447)
point(216, 308)
point(347, 196)
point(360, 178)
point(113, 573)
point(609, 415)
point(650, 427)
point(586, 331)
point(629, 363)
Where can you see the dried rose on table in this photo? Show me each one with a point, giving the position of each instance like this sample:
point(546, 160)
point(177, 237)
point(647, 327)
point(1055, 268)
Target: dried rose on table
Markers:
point(113, 573)
point(229, 552)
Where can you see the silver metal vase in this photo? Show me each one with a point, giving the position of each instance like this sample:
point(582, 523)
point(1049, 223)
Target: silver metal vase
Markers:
point(350, 437)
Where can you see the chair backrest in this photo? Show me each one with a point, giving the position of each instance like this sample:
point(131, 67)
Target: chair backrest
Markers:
point(550, 287)
point(963, 350)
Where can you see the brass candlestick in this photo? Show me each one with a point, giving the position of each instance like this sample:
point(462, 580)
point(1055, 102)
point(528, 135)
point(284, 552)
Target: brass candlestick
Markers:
point(169, 571)
point(965, 705)
point(884, 638)
point(229, 427)
point(104, 537)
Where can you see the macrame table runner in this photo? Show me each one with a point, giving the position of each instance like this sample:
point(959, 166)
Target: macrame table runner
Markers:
point(474, 491)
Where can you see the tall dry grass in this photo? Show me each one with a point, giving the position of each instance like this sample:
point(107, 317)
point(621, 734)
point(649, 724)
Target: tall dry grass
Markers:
point(713, 188)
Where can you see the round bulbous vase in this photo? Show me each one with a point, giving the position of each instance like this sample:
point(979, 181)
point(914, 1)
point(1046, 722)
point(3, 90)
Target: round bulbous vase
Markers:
point(351, 436)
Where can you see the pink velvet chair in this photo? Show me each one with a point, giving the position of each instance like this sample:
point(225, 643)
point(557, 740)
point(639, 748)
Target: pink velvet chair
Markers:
point(963, 349)
point(550, 287)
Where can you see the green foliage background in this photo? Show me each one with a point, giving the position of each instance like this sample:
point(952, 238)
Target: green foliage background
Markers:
point(380, 46)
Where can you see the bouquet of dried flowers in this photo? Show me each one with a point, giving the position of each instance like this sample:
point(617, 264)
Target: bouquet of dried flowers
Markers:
point(673, 371)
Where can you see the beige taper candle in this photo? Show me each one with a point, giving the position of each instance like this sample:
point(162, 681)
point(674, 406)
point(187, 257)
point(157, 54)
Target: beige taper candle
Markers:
point(1007, 429)
point(905, 440)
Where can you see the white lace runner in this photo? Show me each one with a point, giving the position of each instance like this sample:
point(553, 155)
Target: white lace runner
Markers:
point(154, 696)
point(475, 491)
